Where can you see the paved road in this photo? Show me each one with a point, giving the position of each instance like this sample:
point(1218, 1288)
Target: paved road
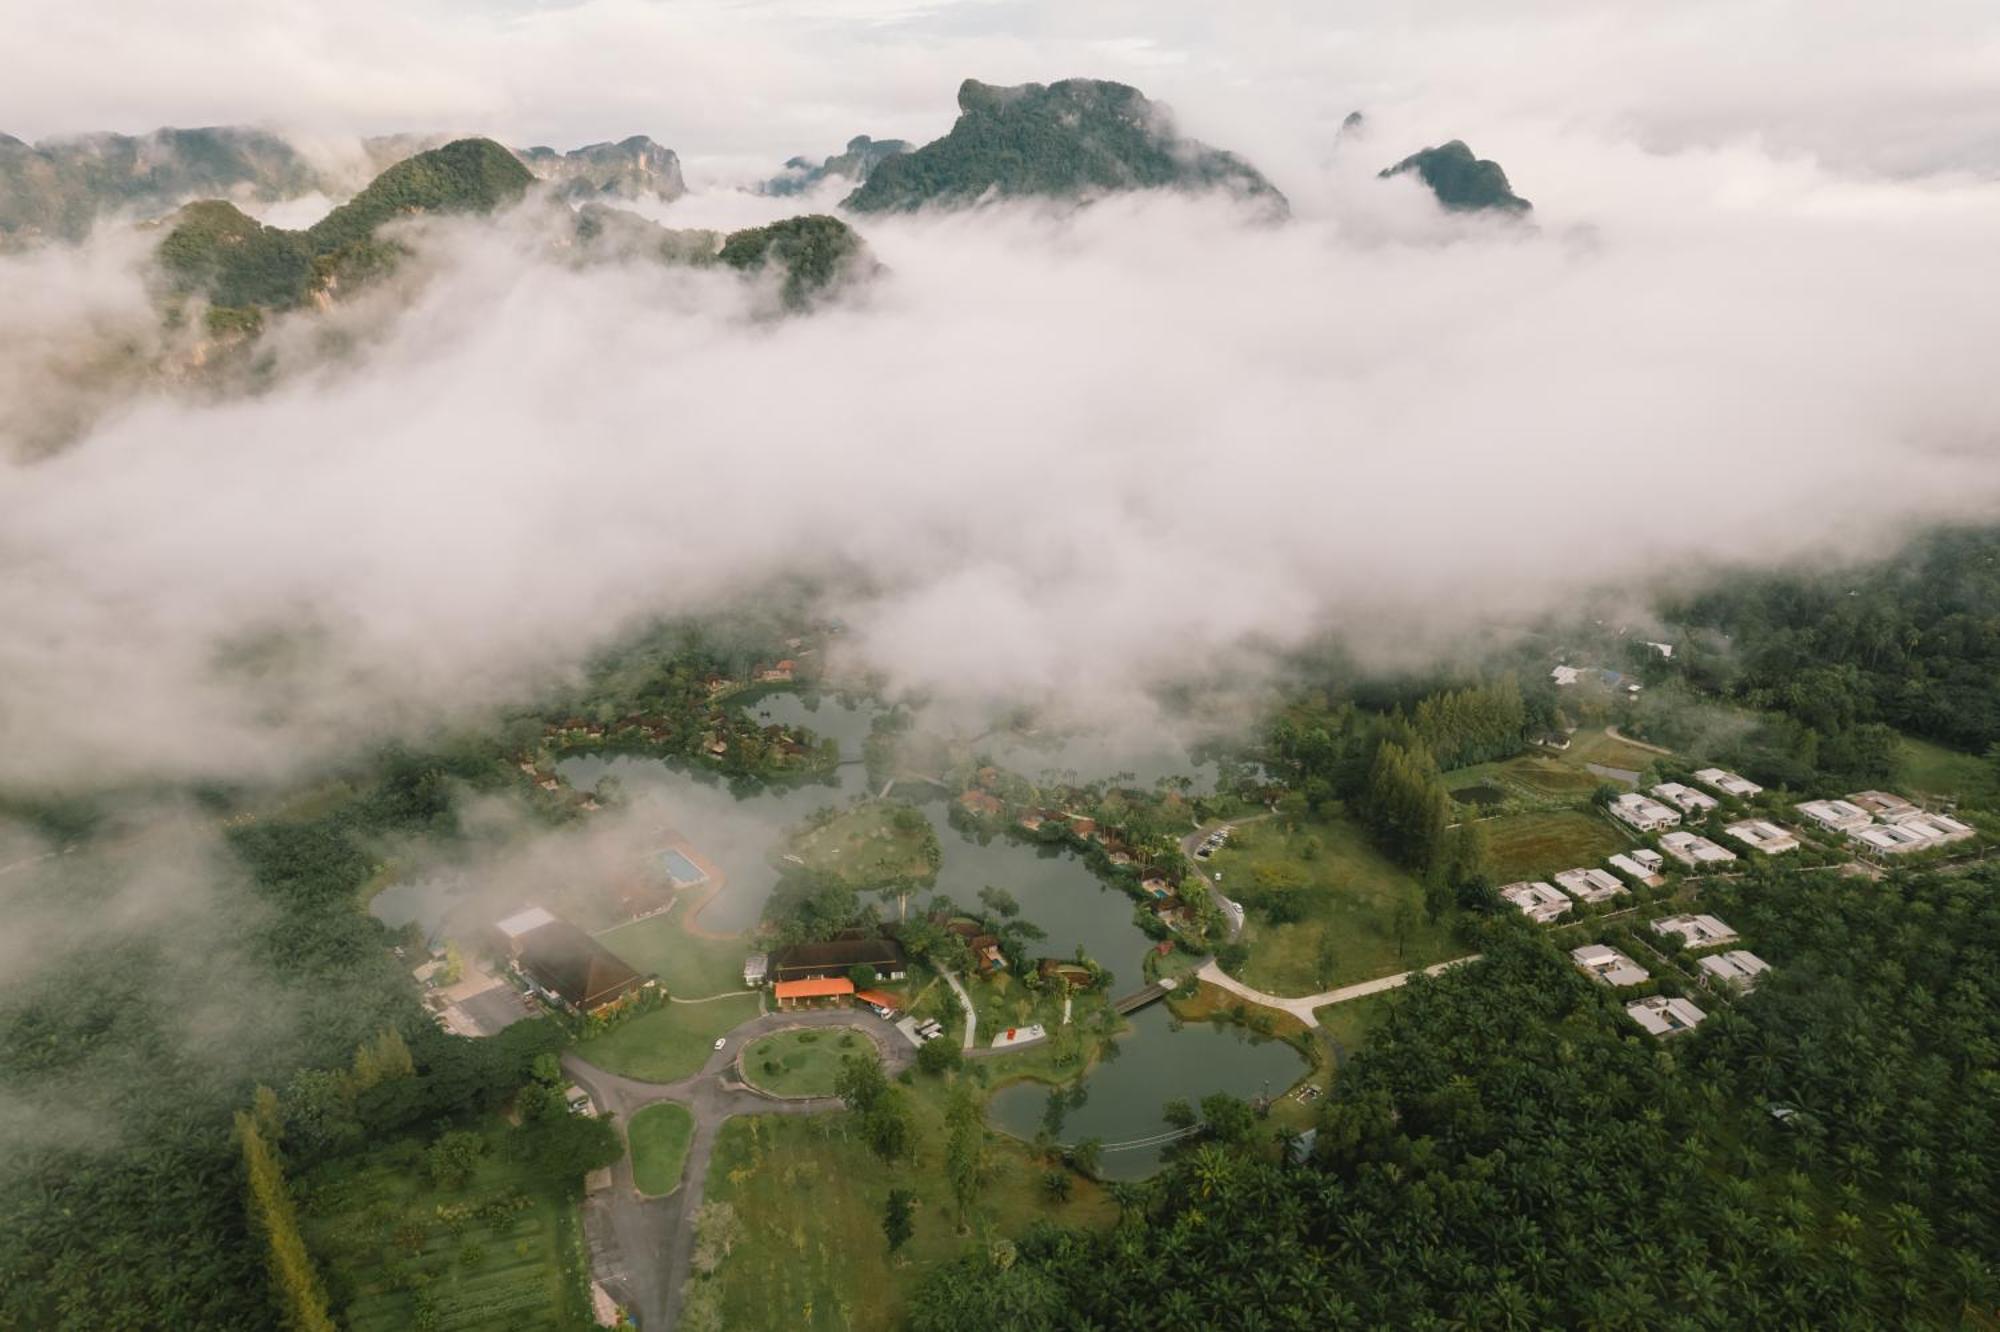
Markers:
point(964, 1002)
point(642, 1248)
point(1302, 1008)
point(1230, 911)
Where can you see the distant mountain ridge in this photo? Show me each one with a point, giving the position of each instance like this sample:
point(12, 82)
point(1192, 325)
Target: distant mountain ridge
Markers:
point(1462, 182)
point(1073, 140)
point(857, 163)
point(59, 188)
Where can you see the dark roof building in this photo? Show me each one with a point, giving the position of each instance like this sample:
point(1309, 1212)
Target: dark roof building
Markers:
point(573, 968)
point(837, 957)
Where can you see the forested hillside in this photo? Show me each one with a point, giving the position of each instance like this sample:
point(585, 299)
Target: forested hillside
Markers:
point(1913, 641)
point(1510, 1151)
point(1064, 140)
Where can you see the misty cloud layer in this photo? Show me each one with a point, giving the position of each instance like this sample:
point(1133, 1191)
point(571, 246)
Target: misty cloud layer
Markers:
point(1047, 457)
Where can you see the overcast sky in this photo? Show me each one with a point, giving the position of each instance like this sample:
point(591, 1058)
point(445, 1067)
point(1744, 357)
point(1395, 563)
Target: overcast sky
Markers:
point(1058, 459)
point(1889, 88)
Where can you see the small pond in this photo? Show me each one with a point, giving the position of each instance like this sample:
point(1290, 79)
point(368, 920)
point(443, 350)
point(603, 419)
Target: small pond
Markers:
point(1154, 1065)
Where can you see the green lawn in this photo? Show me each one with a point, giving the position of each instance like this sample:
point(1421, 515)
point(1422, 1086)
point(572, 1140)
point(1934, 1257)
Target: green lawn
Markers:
point(1352, 1023)
point(501, 1250)
point(691, 966)
point(1591, 745)
point(1534, 846)
point(810, 1198)
point(1347, 892)
point(879, 841)
point(658, 1137)
point(1929, 769)
point(669, 1043)
point(803, 1061)
point(1551, 776)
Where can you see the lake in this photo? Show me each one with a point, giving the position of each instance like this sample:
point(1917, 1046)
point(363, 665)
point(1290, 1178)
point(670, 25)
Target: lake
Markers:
point(1155, 1064)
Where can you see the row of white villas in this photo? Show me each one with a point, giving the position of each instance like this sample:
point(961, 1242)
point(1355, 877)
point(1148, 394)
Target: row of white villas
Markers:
point(1886, 823)
point(1543, 902)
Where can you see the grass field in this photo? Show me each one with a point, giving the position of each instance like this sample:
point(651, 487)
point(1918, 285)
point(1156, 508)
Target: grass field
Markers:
point(1349, 894)
point(1551, 776)
point(658, 1137)
point(1928, 769)
point(669, 1043)
point(502, 1250)
point(801, 1062)
point(810, 1196)
point(1351, 1023)
point(692, 967)
point(1531, 846)
point(1592, 745)
point(880, 841)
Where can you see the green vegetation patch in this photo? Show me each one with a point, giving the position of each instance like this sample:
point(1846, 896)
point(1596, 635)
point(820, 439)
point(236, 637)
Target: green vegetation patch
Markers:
point(814, 252)
point(495, 1247)
point(1325, 907)
point(810, 1198)
point(1352, 1023)
point(1530, 846)
point(693, 967)
point(1931, 769)
point(803, 1061)
point(879, 843)
point(658, 1135)
point(671, 1042)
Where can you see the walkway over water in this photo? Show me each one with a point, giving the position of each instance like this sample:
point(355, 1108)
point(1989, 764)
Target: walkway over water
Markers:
point(1138, 999)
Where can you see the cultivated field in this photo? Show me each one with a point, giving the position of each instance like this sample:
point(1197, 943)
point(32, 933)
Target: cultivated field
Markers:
point(399, 1252)
point(1531, 846)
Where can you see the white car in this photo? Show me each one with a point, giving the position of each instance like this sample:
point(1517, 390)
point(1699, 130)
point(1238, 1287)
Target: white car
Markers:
point(720, 1041)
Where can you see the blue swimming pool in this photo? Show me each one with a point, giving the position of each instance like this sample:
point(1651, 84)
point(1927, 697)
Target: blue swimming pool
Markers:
point(680, 869)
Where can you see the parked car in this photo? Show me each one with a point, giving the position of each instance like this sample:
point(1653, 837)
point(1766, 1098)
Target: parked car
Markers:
point(720, 1041)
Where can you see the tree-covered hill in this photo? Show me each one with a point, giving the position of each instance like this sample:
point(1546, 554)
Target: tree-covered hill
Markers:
point(1068, 140)
point(856, 163)
point(243, 268)
point(814, 254)
point(58, 188)
point(633, 168)
point(1462, 183)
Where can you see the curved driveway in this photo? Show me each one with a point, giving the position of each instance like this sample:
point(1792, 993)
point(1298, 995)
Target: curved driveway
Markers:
point(641, 1248)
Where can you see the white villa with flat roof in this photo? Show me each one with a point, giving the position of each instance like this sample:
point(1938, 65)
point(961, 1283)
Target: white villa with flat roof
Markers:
point(1564, 675)
point(1663, 1016)
point(1891, 839)
point(1590, 885)
point(1738, 968)
point(1538, 901)
point(1687, 798)
point(1694, 849)
point(1642, 813)
point(1938, 828)
point(1631, 868)
point(1885, 806)
point(1729, 783)
point(1763, 835)
point(1608, 964)
point(1696, 931)
point(1836, 815)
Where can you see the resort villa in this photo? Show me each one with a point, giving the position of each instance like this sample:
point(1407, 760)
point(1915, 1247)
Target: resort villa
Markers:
point(1645, 814)
point(1663, 1016)
point(1696, 931)
point(1539, 902)
point(1608, 964)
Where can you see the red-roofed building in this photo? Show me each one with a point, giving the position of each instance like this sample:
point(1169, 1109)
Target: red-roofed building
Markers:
point(794, 994)
point(879, 1000)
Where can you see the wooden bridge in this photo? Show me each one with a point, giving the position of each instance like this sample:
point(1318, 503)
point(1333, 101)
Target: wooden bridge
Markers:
point(1138, 999)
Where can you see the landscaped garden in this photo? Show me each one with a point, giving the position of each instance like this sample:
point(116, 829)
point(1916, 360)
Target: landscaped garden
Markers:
point(658, 1137)
point(801, 1061)
point(671, 1042)
point(870, 844)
